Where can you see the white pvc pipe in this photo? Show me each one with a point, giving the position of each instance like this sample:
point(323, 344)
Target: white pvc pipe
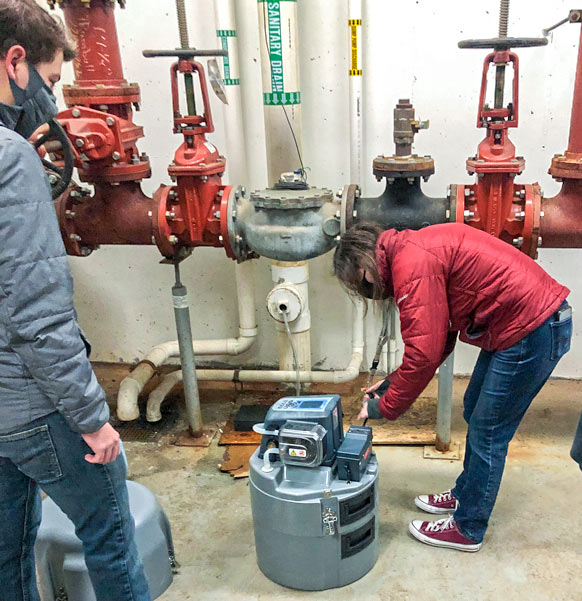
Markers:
point(296, 277)
point(348, 374)
point(280, 77)
point(355, 79)
point(158, 395)
point(133, 384)
point(393, 348)
point(227, 33)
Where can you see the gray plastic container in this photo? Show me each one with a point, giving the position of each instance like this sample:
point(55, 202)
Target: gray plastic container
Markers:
point(313, 531)
point(61, 562)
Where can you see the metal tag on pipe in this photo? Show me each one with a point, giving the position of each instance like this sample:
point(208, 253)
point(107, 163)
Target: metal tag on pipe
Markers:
point(216, 80)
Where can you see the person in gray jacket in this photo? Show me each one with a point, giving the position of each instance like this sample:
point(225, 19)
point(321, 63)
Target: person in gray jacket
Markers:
point(54, 430)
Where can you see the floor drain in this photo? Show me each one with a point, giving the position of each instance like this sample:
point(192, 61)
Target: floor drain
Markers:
point(140, 430)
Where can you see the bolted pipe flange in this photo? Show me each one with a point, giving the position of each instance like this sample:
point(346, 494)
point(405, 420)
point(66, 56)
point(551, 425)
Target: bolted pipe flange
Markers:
point(346, 213)
point(282, 199)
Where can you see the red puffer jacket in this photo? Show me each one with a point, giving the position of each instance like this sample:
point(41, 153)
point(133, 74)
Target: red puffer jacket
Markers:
point(454, 278)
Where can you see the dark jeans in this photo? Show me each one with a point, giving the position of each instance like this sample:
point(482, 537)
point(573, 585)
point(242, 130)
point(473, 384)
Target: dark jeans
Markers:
point(49, 455)
point(502, 387)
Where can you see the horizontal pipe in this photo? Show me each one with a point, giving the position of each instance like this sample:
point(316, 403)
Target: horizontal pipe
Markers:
point(561, 225)
point(403, 205)
point(157, 396)
point(264, 375)
point(115, 214)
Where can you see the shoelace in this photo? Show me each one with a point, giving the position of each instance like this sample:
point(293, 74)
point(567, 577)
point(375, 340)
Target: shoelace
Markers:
point(444, 496)
point(441, 525)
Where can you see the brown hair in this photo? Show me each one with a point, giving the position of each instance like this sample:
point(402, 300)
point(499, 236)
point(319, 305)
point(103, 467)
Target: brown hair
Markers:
point(24, 23)
point(355, 254)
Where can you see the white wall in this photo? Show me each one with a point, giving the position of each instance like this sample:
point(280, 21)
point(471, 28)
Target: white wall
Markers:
point(410, 50)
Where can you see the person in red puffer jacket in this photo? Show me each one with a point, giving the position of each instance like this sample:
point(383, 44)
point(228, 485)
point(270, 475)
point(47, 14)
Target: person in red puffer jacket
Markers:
point(453, 280)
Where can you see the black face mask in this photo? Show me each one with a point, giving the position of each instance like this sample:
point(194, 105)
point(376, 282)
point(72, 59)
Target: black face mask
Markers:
point(33, 106)
point(367, 288)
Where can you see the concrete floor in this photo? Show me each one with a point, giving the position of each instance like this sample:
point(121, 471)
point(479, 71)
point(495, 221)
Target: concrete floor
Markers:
point(531, 551)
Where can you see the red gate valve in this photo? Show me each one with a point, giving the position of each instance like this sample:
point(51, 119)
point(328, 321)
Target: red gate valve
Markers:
point(191, 213)
point(495, 204)
point(171, 231)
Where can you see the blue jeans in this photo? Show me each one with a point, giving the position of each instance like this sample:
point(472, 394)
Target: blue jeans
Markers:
point(49, 455)
point(502, 387)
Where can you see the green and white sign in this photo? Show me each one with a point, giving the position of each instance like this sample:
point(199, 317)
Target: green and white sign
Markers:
point(227, 38)
point(277, 21)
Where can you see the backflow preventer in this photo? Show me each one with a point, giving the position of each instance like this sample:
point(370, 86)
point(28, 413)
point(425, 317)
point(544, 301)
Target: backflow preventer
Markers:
point(403, 204)
point(314, 495)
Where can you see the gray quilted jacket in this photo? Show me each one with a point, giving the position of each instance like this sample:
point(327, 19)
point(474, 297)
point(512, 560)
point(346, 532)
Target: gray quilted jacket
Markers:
point(43, 362)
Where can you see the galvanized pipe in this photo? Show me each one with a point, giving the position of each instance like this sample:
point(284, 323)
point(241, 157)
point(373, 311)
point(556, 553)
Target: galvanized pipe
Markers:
point(187, 359)
point(444, 404)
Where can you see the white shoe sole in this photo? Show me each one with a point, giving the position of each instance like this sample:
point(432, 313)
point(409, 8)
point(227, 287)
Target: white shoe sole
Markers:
point(433, 543)
point(434, 510)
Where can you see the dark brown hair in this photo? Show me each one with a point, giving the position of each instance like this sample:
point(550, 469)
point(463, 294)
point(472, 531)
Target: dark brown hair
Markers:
point(356, 254)
point(24, 23)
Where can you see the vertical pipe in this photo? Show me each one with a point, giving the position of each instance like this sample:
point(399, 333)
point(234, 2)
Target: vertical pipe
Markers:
point(236, 166)
point(384, 360)
point(226, 31)
point(358, 341)
point(245, 289)
point(281, 95)
point(575, 140)
point(282, 110)
point(187, 359)
point(393, 339)
point(444, 404)
point(95, 33)
point(355, 79)
point(297, 274)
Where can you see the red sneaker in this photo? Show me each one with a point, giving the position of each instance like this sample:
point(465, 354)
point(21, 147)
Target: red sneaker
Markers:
point(442, 533)
point(441, 503)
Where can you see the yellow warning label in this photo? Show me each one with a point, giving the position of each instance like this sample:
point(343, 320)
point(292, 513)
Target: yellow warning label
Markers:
point(354, 24)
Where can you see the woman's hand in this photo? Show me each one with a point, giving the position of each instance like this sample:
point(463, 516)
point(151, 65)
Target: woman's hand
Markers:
point(375, 386)
point(363, 411)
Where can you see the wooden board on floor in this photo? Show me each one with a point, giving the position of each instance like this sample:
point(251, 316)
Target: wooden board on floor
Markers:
point(415, 427)
point(235, 460)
